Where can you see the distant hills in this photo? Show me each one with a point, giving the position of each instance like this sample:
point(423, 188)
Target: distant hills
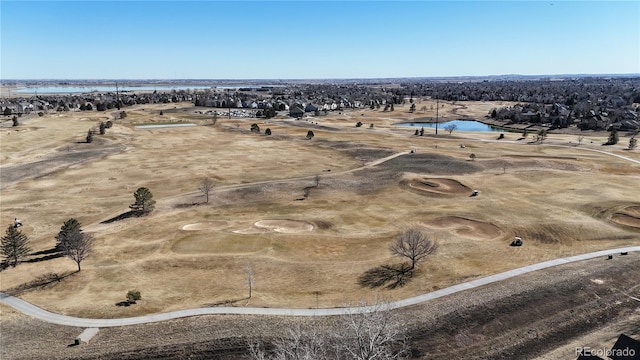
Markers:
point(505, 77)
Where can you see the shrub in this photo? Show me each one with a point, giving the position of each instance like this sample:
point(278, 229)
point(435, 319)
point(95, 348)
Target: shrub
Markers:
point(144, 202)
point(613, 138)
point(133, 296)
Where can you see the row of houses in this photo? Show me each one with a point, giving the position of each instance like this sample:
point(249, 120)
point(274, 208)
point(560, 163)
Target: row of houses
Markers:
point(560, 116)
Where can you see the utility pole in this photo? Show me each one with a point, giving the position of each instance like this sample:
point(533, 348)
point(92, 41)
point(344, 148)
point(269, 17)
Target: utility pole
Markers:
point(117, 97)
point(437, 106)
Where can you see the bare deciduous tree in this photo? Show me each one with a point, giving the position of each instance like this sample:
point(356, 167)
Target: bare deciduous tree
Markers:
point(206, 185)
point(414, 245)
point(450, 128)
point(367, 333)
point(77, 246)
point(298, 344)
point(373, 334)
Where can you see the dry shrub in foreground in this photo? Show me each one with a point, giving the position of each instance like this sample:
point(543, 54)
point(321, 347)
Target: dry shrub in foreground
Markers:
point(366, 333)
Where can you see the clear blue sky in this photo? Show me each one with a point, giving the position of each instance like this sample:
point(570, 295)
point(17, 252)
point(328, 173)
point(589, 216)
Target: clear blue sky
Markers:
point(315, 39)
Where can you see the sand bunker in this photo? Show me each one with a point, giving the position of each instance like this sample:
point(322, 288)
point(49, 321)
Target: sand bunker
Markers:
point(632, 211)
point(468, 228)
point(284, 226)
point(437, 186)
point(629, 216)
point(212, 225)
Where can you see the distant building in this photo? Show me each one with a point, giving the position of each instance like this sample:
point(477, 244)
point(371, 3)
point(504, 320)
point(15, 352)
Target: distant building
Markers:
point(296, 111)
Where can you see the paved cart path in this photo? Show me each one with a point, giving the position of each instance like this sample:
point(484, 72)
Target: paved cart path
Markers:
point(47, 316)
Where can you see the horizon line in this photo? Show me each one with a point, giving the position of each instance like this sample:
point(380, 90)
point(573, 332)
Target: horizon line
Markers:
point(337, 78)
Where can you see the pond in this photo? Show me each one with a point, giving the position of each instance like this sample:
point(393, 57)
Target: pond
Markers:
point(461, 125)
point(100, 88)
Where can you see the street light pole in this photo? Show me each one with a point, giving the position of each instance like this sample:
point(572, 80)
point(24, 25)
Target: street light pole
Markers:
point(437, 106)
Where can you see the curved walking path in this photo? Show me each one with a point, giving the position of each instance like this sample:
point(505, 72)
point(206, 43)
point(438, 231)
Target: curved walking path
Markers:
point(50, 317)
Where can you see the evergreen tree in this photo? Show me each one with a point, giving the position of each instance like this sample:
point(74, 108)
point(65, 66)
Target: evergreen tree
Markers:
point(68, 228)
point(613, 138)
point(144, 201)
point(14, 245)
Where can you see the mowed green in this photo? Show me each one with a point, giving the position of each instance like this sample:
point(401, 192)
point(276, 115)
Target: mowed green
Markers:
point(307, 245)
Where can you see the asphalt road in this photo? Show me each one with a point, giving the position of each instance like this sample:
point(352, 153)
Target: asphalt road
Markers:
point(43, 315)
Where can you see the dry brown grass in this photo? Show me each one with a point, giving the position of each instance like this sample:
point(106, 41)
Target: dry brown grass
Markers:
point(562, 200)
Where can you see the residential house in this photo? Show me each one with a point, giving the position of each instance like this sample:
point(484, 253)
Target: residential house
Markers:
point(310, 108)
point(296, 111)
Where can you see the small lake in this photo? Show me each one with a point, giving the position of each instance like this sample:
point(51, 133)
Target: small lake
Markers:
point(461, 125)
point(87, 89)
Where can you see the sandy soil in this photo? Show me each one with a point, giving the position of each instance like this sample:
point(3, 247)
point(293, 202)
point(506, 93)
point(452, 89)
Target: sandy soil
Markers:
point(437, 186)
point(284, 226)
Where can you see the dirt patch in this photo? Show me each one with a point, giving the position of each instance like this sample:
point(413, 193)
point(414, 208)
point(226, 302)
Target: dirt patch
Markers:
point(468, 228)
point(357, 151)
point(436, 186)
point(284, 226)
point(391, 171)
point(211, 225)
point(430, 164)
